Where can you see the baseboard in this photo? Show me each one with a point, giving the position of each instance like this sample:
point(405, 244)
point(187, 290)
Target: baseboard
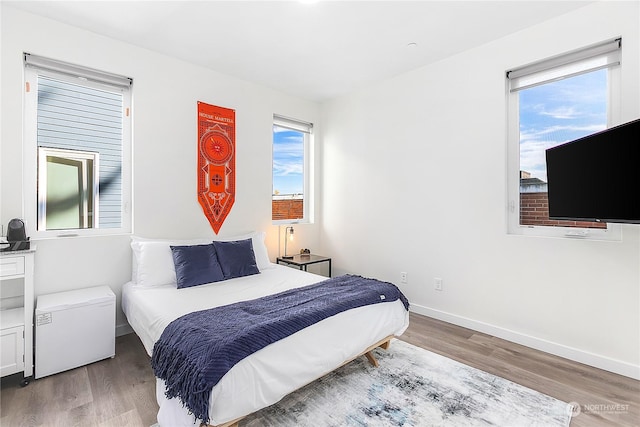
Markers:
point(591, 359)
point(123, 330)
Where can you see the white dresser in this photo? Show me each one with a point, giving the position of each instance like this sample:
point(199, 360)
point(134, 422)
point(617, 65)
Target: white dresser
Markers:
point(16, 313)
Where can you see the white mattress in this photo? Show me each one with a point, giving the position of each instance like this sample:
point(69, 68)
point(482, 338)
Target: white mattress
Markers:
point(278, 369)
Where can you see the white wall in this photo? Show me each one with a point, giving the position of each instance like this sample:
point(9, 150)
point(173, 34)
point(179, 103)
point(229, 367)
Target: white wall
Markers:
point(415, 180)
point(165, 94)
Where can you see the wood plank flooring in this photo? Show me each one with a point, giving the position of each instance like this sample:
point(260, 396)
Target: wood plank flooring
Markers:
point(113, 392)
point(605, 399)
point(121, 391)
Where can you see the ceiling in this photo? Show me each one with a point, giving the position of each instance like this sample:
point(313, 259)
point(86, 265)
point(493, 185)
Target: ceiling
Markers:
point(315, 50)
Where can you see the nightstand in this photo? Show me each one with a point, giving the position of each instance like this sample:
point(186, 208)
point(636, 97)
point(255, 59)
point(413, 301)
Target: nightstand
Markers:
point(302, 261)
point(16, 312)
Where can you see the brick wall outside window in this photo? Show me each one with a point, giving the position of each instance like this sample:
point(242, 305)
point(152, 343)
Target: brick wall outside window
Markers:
point(287, 209)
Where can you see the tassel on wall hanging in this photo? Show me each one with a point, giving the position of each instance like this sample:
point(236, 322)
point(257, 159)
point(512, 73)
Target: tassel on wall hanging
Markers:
point(216, 162)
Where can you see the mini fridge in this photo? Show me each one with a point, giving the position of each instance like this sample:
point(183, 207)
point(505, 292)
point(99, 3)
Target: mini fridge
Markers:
point(74, 328)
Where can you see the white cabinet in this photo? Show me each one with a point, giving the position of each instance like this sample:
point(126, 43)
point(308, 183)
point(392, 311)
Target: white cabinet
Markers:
point(12, 350)
point(16, 313)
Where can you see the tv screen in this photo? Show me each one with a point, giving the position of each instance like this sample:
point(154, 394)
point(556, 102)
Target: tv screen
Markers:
point(597, 177)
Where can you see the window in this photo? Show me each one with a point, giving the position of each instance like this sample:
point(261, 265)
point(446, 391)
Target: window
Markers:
point(552, 102)
point(67, 189)
point(291, 159)
point(77, 149)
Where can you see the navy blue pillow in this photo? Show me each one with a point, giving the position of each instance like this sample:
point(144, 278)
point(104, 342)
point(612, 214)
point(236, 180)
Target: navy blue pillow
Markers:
point(196, 265)
point(236, 258)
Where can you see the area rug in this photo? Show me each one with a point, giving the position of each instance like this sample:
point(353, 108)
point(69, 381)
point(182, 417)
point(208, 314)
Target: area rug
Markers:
point(412, 387)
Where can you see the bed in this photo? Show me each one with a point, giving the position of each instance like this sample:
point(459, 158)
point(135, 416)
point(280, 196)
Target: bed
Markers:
point(152, 301)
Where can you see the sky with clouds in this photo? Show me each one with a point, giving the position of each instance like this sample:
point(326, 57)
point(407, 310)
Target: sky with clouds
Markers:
point(288, 161)
point(559, 112)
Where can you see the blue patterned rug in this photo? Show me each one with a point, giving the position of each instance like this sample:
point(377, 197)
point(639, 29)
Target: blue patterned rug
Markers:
point(412, 387)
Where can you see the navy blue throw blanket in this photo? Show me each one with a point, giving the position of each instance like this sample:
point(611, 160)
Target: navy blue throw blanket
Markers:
point(196, 350)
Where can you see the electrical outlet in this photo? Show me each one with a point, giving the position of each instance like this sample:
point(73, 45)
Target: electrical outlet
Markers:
point(403, 277)
point(437, 284)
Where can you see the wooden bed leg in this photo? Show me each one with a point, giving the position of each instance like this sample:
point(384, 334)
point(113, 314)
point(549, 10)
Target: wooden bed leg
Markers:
point(371, 358)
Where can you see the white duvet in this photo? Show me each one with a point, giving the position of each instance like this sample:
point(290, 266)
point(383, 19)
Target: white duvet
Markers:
point(268, 375)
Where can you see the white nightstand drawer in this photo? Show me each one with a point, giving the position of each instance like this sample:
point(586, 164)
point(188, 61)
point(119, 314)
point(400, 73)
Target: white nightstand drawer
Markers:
point(12, 266)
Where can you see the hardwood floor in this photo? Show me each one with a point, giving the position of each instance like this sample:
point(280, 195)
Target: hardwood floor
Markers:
point(605, 399)
point(113, 392)
point(121, 391)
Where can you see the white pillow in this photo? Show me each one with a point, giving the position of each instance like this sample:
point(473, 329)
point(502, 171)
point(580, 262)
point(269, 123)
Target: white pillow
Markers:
point(153, 261)
point(259, 248)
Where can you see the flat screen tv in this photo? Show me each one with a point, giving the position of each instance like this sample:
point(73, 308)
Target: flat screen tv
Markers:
point(597, 177)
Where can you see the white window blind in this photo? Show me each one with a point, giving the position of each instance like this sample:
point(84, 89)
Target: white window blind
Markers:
point(41, 63)
point(292, 124)
point(591, 58)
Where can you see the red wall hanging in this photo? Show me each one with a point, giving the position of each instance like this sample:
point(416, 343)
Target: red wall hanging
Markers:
point(216, 162)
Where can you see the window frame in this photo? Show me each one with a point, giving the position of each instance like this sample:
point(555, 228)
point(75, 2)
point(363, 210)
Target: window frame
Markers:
point(35, 66)
point(613, 231)
point(307, 129)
